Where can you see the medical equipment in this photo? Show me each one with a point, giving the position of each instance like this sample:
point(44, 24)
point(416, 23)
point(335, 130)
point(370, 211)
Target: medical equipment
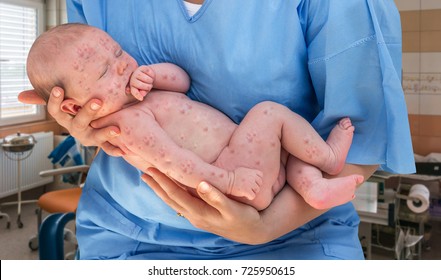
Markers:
point(59, 201)
point(8, 219)
point(69, 172)
point(18, 147)
point(52, 236)
point(396, 216)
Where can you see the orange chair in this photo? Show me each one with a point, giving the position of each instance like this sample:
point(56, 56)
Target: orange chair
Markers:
point(59, 201)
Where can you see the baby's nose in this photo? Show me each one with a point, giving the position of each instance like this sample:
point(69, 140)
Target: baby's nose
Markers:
point(121, 67)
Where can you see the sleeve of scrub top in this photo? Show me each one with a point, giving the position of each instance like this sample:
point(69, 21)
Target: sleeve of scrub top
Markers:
point(354, 59)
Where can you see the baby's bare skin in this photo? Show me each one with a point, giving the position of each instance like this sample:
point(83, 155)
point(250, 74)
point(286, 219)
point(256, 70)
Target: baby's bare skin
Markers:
point(191, 142)
point(186, 153)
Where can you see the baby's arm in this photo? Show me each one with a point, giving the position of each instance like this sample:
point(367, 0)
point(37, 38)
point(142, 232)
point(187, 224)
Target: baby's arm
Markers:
point(164, 76)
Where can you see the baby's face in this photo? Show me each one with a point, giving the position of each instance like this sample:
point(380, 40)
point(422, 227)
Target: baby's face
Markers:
point(99, 68)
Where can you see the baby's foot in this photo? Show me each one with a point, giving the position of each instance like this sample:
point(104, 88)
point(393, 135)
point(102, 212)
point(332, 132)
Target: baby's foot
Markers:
point(339, 141)
point(328, 193)
point(246, 182)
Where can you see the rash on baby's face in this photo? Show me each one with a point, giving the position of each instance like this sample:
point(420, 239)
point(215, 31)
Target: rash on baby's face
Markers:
point(98, 68)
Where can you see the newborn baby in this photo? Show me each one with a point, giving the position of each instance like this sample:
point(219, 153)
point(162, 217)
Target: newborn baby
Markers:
point(188, 140)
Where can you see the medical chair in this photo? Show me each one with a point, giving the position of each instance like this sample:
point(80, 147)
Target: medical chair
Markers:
point(58, 201)
point(52, 236)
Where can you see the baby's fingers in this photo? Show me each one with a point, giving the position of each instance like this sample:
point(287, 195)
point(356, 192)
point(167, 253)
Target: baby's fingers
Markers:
point(137, 93)
point(144, 78)
point(141, 85)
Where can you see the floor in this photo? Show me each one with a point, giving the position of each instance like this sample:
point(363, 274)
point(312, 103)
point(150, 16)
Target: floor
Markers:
point(14, 242)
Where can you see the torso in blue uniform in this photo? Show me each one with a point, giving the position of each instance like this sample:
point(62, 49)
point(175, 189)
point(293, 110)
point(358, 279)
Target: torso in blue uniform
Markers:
point(323, 59)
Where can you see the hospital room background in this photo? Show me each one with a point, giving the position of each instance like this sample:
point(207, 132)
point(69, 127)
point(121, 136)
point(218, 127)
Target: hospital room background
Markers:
point(400, 214)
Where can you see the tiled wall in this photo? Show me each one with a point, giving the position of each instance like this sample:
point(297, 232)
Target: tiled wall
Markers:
point(421, 24)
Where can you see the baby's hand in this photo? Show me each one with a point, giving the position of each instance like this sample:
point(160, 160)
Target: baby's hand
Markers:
point(141, 82)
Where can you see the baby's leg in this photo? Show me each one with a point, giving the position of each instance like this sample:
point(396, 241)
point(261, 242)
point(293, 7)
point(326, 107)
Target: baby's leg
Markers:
point(300, 139)
point(319, 192)
point(255, 144)
point(339, 141)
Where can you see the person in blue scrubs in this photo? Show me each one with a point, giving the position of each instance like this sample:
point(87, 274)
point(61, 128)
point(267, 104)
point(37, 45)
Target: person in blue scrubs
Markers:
point(323, 59)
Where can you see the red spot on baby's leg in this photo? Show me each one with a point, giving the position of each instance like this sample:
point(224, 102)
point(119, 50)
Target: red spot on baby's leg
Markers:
point(149, 140)
point(127, 130)
point(249, 137)
point(161, 153)
point(187, 167)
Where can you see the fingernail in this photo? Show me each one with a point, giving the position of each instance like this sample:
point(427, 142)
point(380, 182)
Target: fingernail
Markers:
point(203, 187)
point(56, 93)
point(113, 133)
point(144, 178)
point(95, 106)
point(148, 171)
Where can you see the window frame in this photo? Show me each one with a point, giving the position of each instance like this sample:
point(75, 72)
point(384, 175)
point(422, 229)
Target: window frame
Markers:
point(40, 114)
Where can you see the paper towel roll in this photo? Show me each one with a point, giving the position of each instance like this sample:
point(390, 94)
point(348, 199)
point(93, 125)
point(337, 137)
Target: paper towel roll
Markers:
point(418, 201)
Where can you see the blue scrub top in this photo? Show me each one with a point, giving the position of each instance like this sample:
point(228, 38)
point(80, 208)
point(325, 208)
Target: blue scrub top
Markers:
point(323, 59)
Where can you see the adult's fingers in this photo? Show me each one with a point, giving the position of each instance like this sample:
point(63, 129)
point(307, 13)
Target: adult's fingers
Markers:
point(53, 107)
point(216, 199)
point(164, 187)
point(30, 97)
point(215, 212)
point(86, 115)
point(112, 150)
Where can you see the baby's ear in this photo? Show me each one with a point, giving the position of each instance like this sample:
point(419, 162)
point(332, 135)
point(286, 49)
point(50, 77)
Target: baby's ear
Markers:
point(70, 106)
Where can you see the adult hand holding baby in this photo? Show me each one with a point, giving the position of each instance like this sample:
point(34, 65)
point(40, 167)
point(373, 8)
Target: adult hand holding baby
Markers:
point(79, 125)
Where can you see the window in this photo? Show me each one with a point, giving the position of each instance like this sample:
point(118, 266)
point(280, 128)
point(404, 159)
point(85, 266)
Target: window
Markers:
point(20, 23)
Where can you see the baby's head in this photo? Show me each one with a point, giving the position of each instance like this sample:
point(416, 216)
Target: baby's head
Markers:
point(45, 55)
point(86, 62)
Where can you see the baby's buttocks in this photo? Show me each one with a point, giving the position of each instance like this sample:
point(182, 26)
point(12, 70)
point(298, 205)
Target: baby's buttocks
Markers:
point(192, 125)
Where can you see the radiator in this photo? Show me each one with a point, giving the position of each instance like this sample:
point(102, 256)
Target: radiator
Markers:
point(30, 167)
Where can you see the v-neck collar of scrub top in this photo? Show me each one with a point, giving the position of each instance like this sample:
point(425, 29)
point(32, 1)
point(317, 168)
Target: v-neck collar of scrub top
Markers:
point(198, 14)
